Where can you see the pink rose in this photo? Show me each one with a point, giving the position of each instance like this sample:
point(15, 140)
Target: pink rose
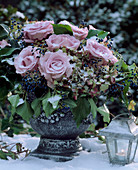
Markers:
point(54, 65)
point(26, 61)
point(4, 43)
point(79, 33)
point(100, 51)
point(57, 41)
point(37, 31)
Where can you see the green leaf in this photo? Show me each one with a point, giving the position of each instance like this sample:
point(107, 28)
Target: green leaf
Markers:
point(103, 110)
point(3, 155)
point(132, 66)
point(81, 111)
point(54, 100)
point(93, 107)
point(5, 124)
point(124, 66)
point(124, 95)
point(8, 60)
point(47, 107)
point(62, 29)
point(92, 33)
point(5, 87)
point(118, 64)
point(70, 102)
point(4, 31)
point(104, 87)
point(14, 100)
point(25, 111)
point(101, 34)
point(36, 106)
point(12, 155)
point(4, 77)
point(7, 51)
point(91, 127)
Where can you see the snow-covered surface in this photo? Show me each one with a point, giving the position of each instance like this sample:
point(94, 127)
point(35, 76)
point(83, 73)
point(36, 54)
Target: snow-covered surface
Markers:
point(93, 160)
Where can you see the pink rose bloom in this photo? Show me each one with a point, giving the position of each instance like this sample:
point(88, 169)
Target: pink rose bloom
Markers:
point(54, 65)
point(37, 31)
point(100, 51)
point(57, 41)
point(79, 33)
point(26, 61)
point(4, 43)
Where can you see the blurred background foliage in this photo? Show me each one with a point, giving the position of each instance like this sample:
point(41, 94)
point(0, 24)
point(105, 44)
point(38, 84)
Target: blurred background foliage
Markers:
point(120, 18)
point(117, 17)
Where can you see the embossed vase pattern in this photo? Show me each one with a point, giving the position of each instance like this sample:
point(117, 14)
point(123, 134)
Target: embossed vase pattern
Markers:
point(59, 135)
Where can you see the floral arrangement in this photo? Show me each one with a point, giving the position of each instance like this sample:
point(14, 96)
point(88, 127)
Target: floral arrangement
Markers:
point(63, 66)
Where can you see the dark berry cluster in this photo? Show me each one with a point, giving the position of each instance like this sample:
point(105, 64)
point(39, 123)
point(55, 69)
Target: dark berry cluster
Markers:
point(16, 32)
point(33, 82)
point(116, 89)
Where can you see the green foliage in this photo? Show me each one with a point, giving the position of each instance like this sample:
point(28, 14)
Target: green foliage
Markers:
point(105, 113)
point(4, 31)
point(5, 52)
point(5, 87)
point(36, 106)
point(62, 29)
point(81, 111)
point(47, 107)
point(11, 127)
point(70, 102)
point(6, 150)
point(25, 111)
point(93, 107)
point(99, 33)
point(54, 100)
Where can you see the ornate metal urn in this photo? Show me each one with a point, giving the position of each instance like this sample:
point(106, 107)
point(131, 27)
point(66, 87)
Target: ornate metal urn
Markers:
point(59, 135)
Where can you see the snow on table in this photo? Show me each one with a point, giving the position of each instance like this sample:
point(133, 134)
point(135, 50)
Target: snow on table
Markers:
point(93, 160)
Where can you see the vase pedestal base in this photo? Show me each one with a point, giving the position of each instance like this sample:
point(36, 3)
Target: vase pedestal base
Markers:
point(59, 150)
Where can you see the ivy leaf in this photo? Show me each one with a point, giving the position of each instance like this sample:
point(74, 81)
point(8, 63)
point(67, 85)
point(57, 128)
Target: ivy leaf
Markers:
point(7, 51)
point(36, 106)
point(54, 100)
point(4, 77)
point(93, 107)
point(124, 66)
point(100, 33)
point(5, 87)
point(25, 111)
point(62, 29)
point(92, 33)
point(81, 111)
point(70, 102)
point(14, 100)
point(47, 107)
point(4, 31)
point(103, 110)
point(124, 95)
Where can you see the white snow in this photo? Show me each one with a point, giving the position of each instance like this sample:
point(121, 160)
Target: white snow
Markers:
point(96, 159)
